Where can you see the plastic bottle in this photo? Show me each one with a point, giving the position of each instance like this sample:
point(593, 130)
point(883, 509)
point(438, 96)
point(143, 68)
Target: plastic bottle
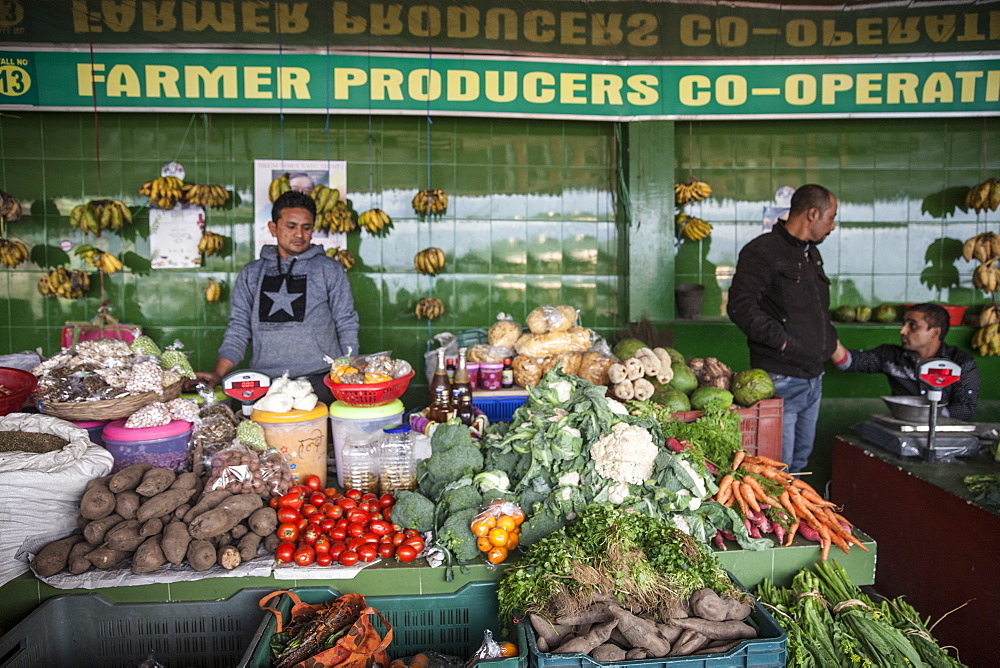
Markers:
point(397, 468)
point(360, 461)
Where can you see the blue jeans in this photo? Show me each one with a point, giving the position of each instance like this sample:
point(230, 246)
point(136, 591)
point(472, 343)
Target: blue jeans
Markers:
point(800, 412)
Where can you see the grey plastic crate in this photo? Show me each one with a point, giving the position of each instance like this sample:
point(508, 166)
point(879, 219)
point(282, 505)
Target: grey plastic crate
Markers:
point(89, 630)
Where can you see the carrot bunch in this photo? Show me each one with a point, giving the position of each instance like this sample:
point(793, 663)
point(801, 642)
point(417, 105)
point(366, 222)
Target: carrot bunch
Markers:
point(755, 484)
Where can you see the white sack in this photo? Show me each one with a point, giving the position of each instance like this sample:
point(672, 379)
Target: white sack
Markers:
point(40, 493)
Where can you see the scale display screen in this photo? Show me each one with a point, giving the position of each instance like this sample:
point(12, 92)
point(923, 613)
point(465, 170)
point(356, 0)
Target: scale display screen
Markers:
point(246, 384)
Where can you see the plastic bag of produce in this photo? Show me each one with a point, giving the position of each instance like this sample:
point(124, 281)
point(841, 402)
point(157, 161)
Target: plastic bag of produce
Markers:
point(53, 481)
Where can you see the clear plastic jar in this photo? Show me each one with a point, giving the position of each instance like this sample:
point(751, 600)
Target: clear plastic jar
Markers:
point(397, 468)
point(360, 462)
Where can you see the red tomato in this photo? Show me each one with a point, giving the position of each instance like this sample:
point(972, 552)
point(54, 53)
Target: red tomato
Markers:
point(291, 500)
point(317, 519)
point(386, 550)
point(368, 496)
point(346, 503)
point(343, 523)
point(289, 532)
point(416, 543)
point(289, 515)
point(337, 534)
point(302, 523)
point(386, 500)
point(355, 543)
point(410, 533)
point(328, 525)
point(380, 527)
point(387, 513)
point(310, 535)
point(348, 558)
point(331, 492)
point(313, 482)
point(299, 489)
point(284, 552)
point(406, 553)
point(334, 512)
point(375, 515)
point(304, 556)
point(308, 510)
point(397, 528)
point(273, 502)
point(322, 545)
point(355, 529)
point(370, 537)
point(367, 506)
point(398, 538)
point(318, 499)
point(367, 553)
point(353, 493)
point(336, 548)
point(324, 559)
point(357, 515)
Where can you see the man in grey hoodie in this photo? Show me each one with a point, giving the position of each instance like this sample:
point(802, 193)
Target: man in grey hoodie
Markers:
point(294, 304)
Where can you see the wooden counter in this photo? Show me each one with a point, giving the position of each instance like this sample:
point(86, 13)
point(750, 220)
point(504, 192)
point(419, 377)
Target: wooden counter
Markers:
point(934, 546)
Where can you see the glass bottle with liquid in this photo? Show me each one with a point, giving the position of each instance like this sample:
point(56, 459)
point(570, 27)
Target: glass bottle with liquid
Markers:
point(461, 386)
point(507, 375)
point(360, 461)
point(439, 409)
point(397, 467)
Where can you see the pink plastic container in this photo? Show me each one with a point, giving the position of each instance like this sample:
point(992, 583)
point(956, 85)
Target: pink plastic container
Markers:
point(473, 370)
point(164, 447)
point(491, 376)
point(94, 427)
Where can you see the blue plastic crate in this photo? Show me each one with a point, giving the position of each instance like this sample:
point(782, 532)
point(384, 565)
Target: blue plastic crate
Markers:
point(498, 409)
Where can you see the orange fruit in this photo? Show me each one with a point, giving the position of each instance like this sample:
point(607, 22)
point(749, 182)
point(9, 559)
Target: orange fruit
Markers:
point(508, 649)
point(496, 555)
point(484, 544)
point(481, 529)
point(498, 537)
point(506, 522)
point(518, 516)
point(512, 541)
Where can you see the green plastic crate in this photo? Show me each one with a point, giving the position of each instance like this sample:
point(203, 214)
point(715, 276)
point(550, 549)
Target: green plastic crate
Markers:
point(448, 623)
point(90, 630)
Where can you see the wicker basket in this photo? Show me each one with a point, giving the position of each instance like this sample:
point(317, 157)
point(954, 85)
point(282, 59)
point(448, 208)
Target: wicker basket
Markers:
point(108, 409)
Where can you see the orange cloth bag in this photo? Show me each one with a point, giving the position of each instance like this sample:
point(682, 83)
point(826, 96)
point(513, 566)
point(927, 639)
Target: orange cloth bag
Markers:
point(361, 647)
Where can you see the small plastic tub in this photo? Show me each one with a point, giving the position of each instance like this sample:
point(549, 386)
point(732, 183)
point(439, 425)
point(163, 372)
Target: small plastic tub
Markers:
point(491, 376)
point(165, 446)
point(473, 369)
point(359, 421)
point(301, 436)
point(95, 428)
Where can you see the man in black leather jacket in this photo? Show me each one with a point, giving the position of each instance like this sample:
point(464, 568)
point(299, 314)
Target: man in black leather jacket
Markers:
point(780, 298)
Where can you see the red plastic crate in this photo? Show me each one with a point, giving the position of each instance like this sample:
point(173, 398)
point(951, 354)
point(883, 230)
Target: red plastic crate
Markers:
point(760, 426)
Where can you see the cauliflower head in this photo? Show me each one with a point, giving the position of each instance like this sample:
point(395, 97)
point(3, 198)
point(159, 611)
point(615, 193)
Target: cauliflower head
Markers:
point(626, 455)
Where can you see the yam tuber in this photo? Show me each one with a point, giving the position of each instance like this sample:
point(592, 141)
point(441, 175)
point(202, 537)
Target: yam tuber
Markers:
point(238, 531)
point(201, 555)
point(155, 481)
point(163, 503)
point(127, 503)
point(640, 632)
point(54, 557)
point(105, 557)
point(96, 530)
point(77, 562)
point(263, 521)
point(124, 536)
point(608, 653)
point(228, 557)
point(636, 653)
point(689, 642)
point(598, 612)
point(225, 516)
point(175, 542)
point(207, 501)
point(585, 644)
point(97, 502)
point(151, 527)
point(149, 556)
point(718, 646)
point(186, 480)
point(129, 477)
point(729, 630)
point(249, 545)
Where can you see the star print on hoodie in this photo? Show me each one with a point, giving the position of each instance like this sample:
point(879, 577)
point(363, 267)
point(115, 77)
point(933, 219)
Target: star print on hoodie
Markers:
point(282, 297)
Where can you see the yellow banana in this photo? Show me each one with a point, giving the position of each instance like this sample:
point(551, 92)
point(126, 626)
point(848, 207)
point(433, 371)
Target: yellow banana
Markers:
point(278, 187)
point(375, 222)
point(213, 291)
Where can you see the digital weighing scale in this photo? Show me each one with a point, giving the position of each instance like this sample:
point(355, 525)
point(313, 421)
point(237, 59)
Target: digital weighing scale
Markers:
point(933, 438)
point(246, 387)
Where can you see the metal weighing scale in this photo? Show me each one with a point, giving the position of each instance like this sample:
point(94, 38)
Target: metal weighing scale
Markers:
point(246, 387)
point(933, 438)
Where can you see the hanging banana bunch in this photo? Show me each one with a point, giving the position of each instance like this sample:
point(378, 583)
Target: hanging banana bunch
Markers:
point(325, 198)
point(163, 191)
point(376, 222)
point(429, 261)
point(982, 247)
point(210, 243)
point(986, 277)
point(100, 214)
point(431, 308)
point(12, 252)
point(984, 196)
point(692, 228)
point(204, 195)
point(278, 187)
point(213, 291)
point(692, 191)
point(95, 257)
point(339, 218)
point(433, 202)
point(10, 208)
point(986, 339)
point(62, 283)
point(341, 255)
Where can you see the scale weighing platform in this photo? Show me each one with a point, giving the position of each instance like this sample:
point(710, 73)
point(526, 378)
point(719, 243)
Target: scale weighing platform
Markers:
point(952, 438)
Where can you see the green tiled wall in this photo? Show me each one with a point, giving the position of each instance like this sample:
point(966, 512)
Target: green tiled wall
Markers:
point(531, 218)
point(899, 227)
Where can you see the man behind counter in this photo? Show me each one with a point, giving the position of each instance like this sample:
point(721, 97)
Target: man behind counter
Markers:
point(922, 337)
point(294, 304)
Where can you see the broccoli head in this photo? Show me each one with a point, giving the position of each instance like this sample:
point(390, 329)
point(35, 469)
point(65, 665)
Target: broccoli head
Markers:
point(459, 497)
point(456, 534)
point(446, 466)
point(413, 511)
point(540, 525)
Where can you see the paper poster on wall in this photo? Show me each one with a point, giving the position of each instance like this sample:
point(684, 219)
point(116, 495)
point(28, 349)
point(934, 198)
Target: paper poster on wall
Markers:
point(303, 175)
point(174, 235)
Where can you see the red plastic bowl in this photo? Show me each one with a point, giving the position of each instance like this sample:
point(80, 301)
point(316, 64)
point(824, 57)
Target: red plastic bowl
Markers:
point(369, 394)
point(22, 383)
point(955, 313)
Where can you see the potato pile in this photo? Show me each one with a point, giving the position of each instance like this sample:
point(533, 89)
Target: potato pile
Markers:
point(152, 516)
